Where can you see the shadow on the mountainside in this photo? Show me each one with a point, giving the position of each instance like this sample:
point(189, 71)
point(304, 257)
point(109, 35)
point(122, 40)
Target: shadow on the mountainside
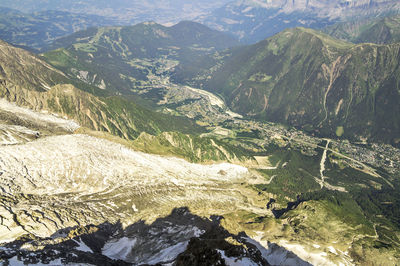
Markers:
point(181, 238)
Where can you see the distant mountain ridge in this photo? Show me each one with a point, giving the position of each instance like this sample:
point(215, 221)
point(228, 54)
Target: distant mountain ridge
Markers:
point(378, 30)
point(327, 6)
point(122, 58)
point(38, 30)
point(254, 20)
point(125, 11)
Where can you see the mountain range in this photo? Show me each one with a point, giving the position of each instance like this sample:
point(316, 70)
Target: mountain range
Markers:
point(165, 11)
point(120, 58)
point(38, 30)
point(309, 80)
point(149, 144)
point(252, 20)
point(379, 30)
point(298, 77)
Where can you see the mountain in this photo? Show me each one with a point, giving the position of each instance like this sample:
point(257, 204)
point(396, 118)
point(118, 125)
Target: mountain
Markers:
point(83, 199)
point(127, 11)
point(124, 58)
point(77, 187)
point(378, 30)
point(312, 81)
point(30, 82)
point(185, 34)
point(253, 20)
point(37, 30)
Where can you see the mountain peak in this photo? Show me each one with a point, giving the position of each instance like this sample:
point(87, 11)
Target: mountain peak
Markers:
point(301, 34)
point(150, 23)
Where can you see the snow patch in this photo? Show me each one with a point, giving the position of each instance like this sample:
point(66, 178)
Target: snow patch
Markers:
point(332, 250)
point(119, 249)
point(47, 87)
point(82, 246)
point(15, 262)
point(314, 258)
point(279, 254)
point(274, 254)
point(168, 254)
point(232, 261)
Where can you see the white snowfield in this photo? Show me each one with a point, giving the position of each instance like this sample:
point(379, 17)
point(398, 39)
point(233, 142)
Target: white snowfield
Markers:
point(80, 163)
point(53, 182)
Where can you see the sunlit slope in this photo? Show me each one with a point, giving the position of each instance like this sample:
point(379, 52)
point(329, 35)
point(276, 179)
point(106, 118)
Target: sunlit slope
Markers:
point(30, 82)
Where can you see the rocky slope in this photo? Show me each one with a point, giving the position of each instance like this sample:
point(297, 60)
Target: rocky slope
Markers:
point(253, 21)
point(23, 69)
point(335, 8)
point(309, 80)
point(80, 169)
point(30, 82)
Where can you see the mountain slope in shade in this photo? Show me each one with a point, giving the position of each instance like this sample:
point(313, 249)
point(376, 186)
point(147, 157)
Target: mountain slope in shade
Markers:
point(309, 80)
point(381, 31)
point(253, 20)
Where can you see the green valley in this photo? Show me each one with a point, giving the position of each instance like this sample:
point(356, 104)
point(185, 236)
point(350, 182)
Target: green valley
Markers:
point(304, 78)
